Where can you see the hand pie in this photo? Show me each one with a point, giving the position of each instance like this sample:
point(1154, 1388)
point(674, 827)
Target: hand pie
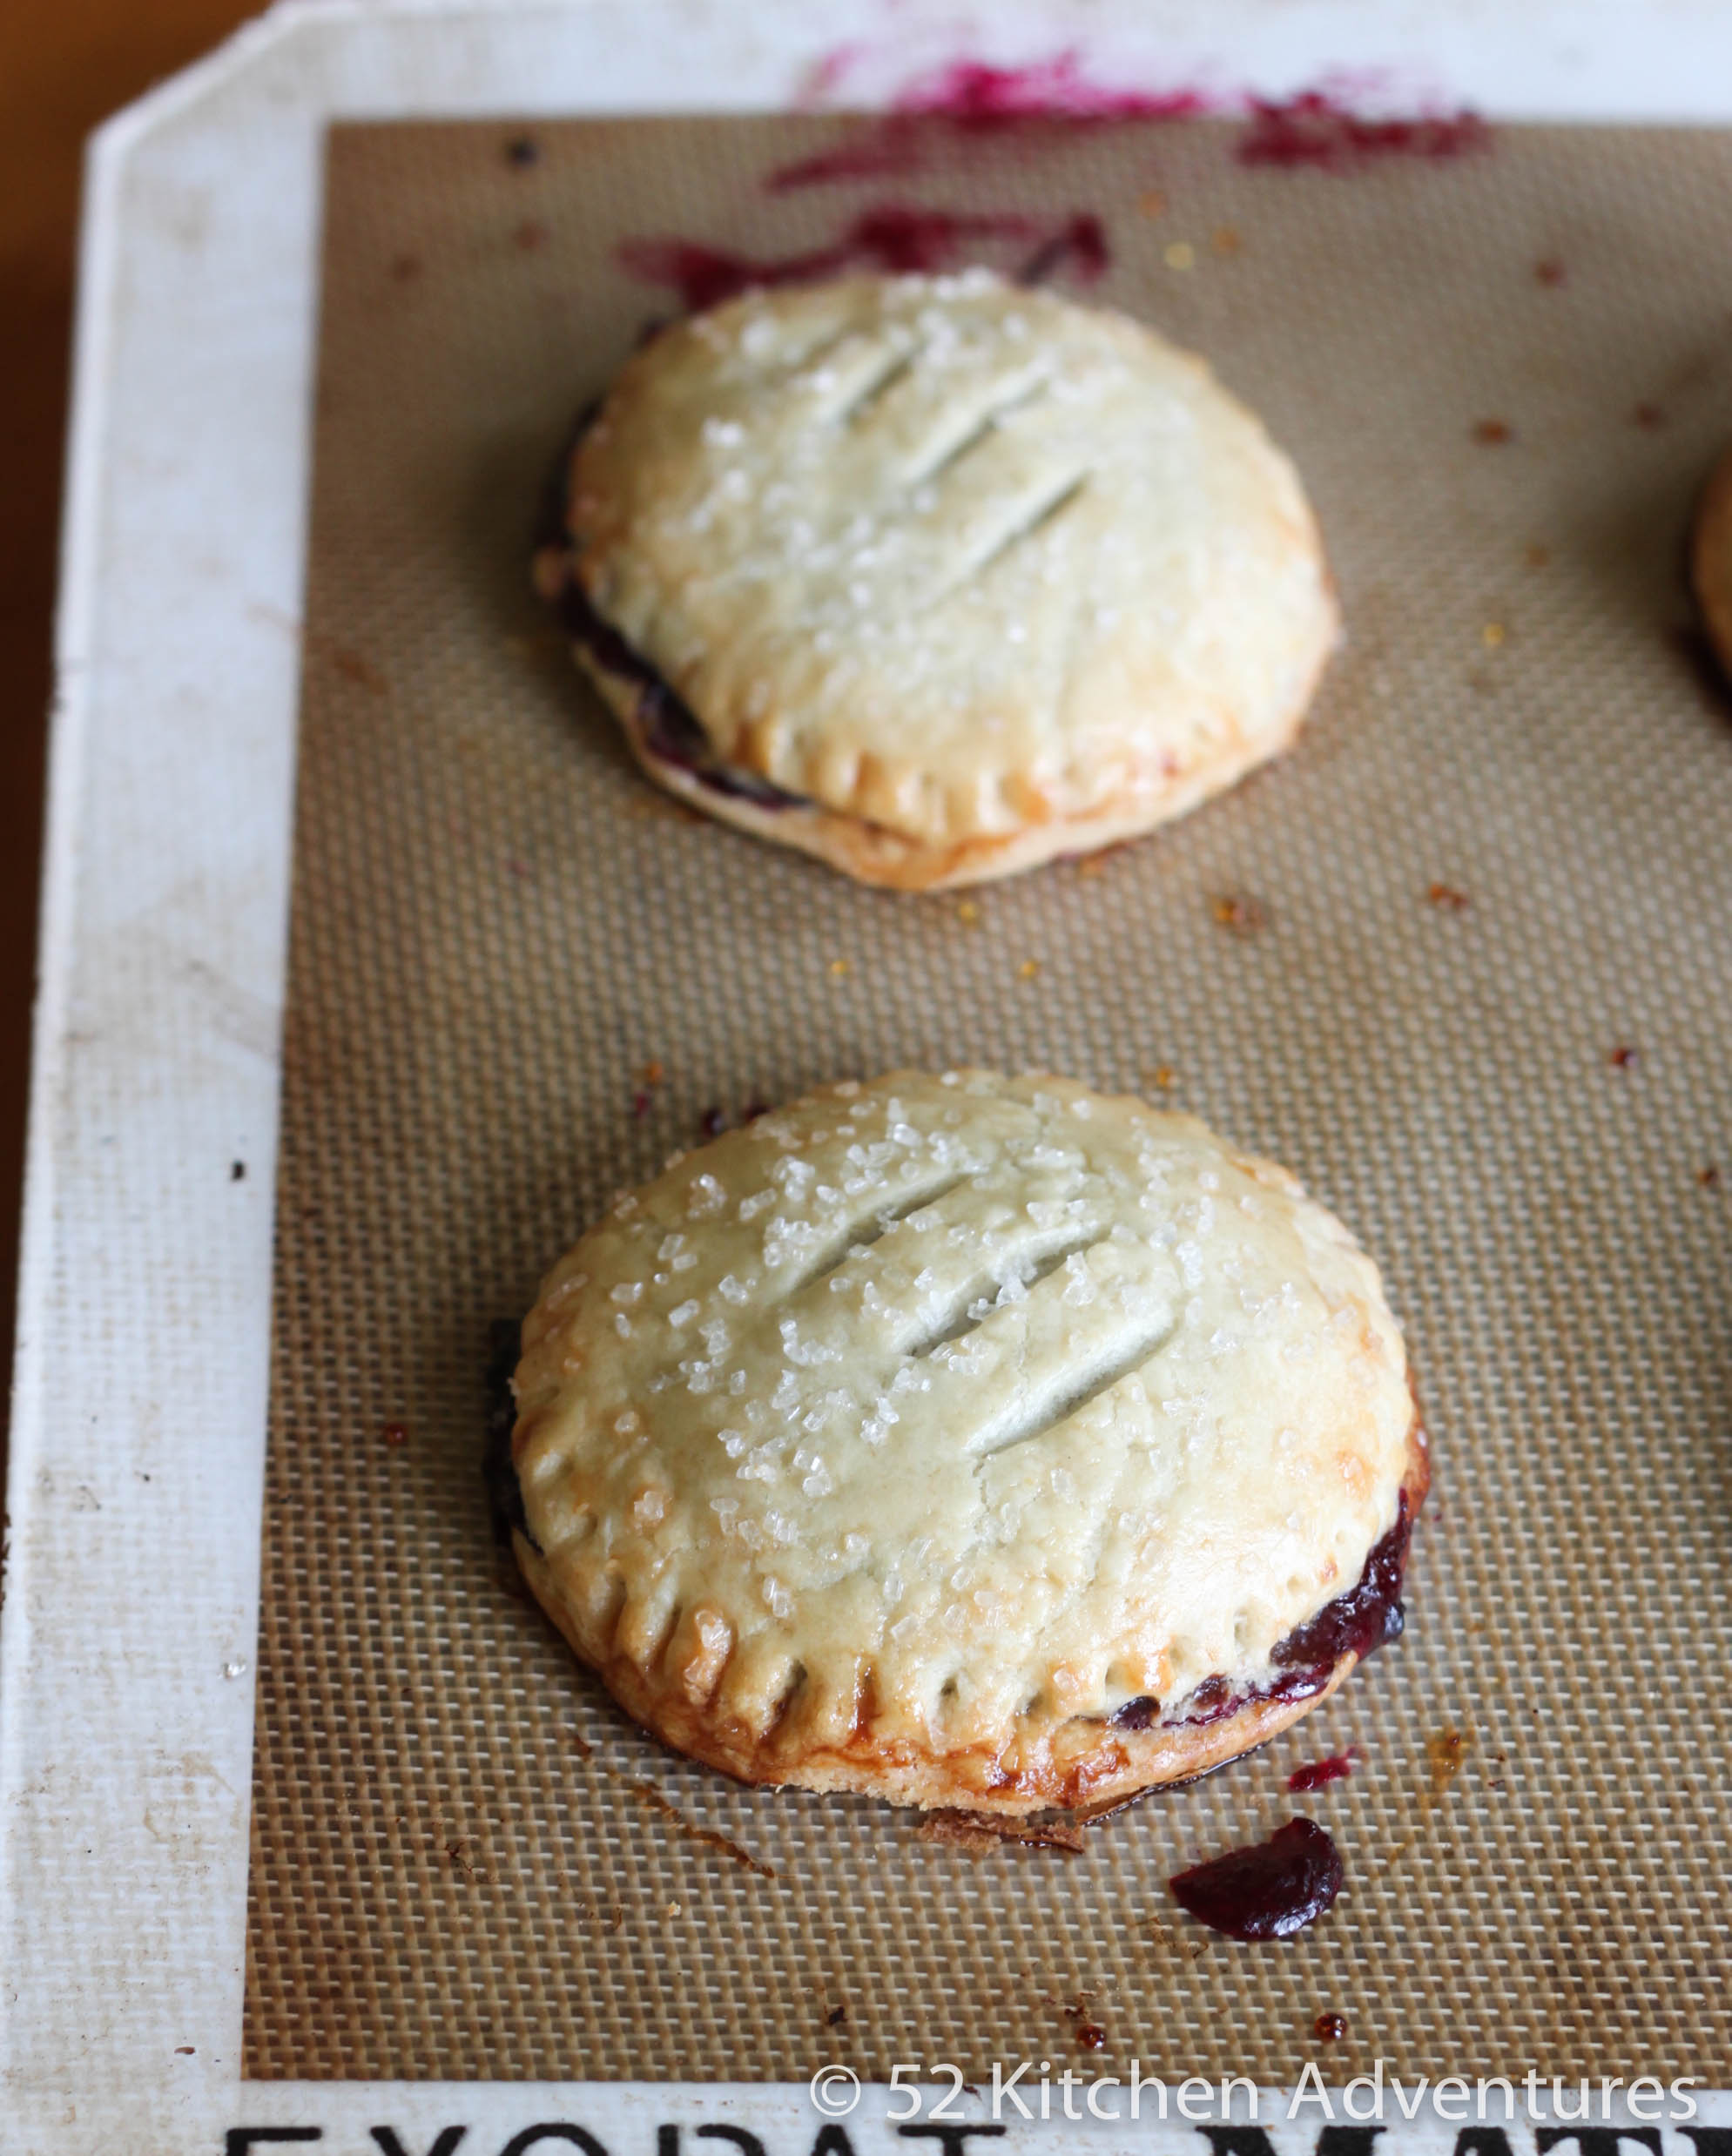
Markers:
point(967, 1441)
point(937, 577)
point(1711, 560)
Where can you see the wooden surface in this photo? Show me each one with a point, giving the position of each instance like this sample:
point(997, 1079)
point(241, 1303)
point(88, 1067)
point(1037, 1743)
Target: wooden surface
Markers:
point(62, 70)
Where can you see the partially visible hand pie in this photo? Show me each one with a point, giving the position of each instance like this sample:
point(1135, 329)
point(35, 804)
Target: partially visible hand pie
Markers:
point(1711, 560)
point(938, 577)
point(968, 1441)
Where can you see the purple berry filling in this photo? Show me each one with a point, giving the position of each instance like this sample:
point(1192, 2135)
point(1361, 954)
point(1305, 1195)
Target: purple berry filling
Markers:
point(1365, 1618)
point(667, 729)
point(1268, 1891)
point(505, 1340)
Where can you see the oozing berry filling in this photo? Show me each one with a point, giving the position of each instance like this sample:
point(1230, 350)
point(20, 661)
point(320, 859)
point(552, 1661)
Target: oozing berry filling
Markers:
point(666, 727)
point(1268, 1891)
point(1368, 1616)
point(667, 730)
point(505, 1338)
point(1365, 1618)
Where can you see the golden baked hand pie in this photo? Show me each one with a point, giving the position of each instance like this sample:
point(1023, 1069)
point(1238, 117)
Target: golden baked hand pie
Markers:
point(937, 577)
point(969, 1441)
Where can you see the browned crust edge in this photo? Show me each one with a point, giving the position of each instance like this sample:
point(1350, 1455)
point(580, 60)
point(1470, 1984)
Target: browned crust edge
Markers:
point(1711, 559)
point(832, 830)
point(1083, 1765)
point(872, 854)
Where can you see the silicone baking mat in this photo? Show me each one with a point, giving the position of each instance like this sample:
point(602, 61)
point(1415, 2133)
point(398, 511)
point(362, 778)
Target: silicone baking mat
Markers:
point(1462, 960)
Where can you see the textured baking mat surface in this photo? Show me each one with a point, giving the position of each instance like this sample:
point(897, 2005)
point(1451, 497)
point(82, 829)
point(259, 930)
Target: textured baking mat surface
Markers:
point(1462, 960)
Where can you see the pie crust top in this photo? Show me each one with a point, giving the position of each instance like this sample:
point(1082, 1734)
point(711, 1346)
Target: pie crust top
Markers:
point(899, 1440)
point(967, 563)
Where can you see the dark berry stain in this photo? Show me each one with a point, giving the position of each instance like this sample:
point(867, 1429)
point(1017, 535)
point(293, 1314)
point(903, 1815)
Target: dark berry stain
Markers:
point(1267, 1891)
point(954, 111)
point(1318, 130)
point(959, 107)
point(1330, 2028)
point(975, 94)
point(1320, 1772)
point(505, 1338)
point(1081, 239)
point(1090, 2037)
point(899, 238)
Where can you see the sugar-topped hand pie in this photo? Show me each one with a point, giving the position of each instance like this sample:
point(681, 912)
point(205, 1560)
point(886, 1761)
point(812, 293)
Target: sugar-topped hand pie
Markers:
point(968, 1441)
point(937, 578)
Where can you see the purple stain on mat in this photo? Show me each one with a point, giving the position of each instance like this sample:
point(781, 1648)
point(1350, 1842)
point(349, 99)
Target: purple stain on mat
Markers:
point(972, 99)
point(1340, 124)
point(896, 238)
point(1324, 130)
point(1318, 1772)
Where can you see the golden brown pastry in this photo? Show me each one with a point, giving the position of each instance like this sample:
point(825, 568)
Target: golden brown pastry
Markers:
point(937, 578)
point(968, 1441)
